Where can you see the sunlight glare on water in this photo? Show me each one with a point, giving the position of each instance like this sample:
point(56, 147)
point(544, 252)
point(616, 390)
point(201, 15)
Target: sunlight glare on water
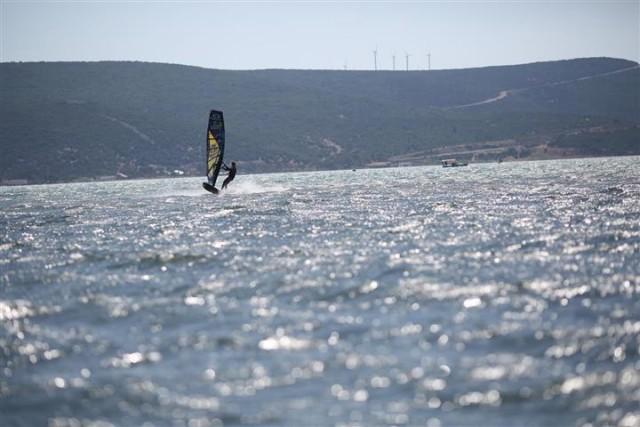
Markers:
point(497, 294)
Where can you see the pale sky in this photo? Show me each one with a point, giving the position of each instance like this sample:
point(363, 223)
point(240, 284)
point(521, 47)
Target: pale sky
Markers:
point(319, 35)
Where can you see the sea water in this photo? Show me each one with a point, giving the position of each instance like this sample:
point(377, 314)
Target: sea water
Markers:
point(491, 295)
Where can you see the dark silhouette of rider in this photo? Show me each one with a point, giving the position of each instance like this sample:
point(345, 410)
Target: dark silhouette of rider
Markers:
point(231, 175)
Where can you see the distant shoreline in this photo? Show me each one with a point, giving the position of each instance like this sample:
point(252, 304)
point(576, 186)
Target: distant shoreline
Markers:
point(381, 166)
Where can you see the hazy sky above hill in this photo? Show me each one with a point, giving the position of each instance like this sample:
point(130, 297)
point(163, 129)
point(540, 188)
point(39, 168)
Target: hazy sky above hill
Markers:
point(320, 35)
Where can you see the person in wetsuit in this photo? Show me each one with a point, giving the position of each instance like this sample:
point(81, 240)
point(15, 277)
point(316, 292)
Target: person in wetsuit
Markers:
point(231, 175)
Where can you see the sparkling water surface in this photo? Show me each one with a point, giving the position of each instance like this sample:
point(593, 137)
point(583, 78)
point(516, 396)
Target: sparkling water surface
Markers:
point(491, 295)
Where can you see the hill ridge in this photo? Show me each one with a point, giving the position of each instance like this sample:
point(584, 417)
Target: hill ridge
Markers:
point(139, 119)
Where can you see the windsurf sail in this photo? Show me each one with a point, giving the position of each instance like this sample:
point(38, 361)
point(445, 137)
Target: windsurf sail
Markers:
point(215, 145)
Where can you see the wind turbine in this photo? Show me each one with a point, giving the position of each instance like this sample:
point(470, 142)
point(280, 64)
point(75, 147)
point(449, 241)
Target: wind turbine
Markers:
point(406, 56)
point(375, 59)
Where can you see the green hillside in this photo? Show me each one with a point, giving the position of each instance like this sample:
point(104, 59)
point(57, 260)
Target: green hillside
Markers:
point(66, 121)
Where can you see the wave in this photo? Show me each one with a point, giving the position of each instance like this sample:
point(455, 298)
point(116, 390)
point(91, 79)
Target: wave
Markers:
point(251, 186)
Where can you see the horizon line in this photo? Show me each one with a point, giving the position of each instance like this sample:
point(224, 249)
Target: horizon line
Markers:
point(312, 69)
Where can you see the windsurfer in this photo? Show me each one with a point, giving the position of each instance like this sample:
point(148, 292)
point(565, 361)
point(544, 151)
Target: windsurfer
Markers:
point(231, 175)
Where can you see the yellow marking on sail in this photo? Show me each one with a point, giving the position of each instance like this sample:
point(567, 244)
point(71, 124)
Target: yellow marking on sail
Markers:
point(214, 153)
